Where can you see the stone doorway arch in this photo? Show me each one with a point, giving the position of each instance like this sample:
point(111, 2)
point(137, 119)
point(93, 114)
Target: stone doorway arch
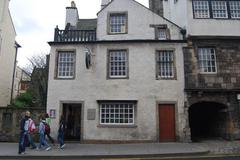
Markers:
point(208, 120)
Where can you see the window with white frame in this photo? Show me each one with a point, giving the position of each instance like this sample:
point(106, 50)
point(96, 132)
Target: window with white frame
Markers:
point(117, 64)
point(207, 60)
point(165, 64)
point(117, 113)
point(201, 9)
point(118, 23)
point(219, 9)
point(66, 64)
point(235, 9)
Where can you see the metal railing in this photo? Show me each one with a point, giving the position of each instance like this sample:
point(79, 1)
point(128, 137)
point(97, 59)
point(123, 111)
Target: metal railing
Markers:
point(74, 35)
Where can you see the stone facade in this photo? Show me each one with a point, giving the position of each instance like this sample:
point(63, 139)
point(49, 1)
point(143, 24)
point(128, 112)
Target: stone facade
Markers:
point(10, 120)
point(221, 87)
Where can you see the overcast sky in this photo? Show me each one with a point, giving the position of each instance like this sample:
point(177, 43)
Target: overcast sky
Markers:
point(35, 21)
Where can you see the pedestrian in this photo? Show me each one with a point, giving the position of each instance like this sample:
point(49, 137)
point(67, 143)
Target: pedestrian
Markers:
point(42, 140)
point(48, 121)
point(61, 132)
point(31, 131)
point(23, 133)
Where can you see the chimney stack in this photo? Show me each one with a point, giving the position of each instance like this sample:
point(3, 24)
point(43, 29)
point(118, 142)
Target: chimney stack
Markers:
point(156, 6)
point(72, 15)
point(104, 3)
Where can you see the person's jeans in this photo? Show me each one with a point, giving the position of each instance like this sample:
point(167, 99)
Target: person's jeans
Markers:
point(42, 140)
point(61, 138)
point(50, 138)
point(31, 141)
point(21, 147)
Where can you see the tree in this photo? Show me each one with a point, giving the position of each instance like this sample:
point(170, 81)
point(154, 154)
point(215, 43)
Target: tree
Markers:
point(39, 79)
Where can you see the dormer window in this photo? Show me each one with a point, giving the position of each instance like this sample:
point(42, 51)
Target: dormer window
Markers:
point(162, 32)
point(117, 23)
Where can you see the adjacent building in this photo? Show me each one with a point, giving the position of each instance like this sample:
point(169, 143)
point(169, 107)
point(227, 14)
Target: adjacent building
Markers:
point(119, 77)
point(211, 64)
point(8, 54)
point(21, 81)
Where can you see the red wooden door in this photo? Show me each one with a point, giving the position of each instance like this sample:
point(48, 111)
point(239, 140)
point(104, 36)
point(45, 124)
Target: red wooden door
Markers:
point(167, 123)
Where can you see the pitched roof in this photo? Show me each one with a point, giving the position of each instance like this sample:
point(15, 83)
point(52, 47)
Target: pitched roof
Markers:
point(86, 24)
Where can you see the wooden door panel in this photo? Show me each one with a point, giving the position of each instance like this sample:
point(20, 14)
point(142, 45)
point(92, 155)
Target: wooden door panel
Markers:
point(167, 123)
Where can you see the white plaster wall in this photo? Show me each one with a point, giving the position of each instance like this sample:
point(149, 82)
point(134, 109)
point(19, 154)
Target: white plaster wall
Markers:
point(211, 27)
point(176, 11)
point(91, 85)
point(139, 20)
point(181, 13)
point(7, 56)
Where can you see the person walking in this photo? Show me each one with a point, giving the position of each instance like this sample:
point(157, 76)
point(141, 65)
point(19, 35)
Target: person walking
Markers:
point(23, 133)
point(48, 121)
point(61, 132)
point(42, 140)
point(31, 131)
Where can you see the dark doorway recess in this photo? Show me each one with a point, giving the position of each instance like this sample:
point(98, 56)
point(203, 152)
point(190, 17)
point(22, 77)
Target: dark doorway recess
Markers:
point(208, 120)
point(72, 114)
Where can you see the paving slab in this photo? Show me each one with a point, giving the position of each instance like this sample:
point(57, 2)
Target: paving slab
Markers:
point(10, 150)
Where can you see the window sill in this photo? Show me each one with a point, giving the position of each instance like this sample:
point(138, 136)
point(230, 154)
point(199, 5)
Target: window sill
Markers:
point(116, 126)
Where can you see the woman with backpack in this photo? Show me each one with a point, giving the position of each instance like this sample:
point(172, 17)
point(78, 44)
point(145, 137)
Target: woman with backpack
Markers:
point(47, 133)
point(42, 140)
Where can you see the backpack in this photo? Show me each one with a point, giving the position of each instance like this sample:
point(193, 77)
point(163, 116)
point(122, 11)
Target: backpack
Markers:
point(47, 128)
point(32, 127)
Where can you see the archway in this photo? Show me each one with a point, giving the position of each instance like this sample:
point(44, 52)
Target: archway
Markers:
point(208, 120)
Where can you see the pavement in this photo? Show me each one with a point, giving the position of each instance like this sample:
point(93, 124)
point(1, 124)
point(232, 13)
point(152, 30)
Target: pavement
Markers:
point(75, 150)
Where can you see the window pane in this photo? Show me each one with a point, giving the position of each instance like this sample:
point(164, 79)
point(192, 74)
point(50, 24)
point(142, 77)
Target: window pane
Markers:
point(117, 23)
point(219, 9)
point(207, 60)
point(201, 9)
point(66, 64)
point(235, 9)
point(120, 113)
point(165, 64)
point(118, 63)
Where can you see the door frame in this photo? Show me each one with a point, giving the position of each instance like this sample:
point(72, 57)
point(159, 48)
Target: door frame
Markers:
point(82, 114)
point(174, 103)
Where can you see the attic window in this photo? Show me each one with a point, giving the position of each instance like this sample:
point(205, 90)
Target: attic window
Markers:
point(162, 32)
point(117, 23)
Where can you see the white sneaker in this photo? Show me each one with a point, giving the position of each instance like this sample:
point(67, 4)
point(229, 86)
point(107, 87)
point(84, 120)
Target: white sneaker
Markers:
point(62, 147)
point(48, 148)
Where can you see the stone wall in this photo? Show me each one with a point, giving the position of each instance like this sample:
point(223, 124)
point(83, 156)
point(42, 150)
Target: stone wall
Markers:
point(10, 121)
point(228, 64)
point(221, 87)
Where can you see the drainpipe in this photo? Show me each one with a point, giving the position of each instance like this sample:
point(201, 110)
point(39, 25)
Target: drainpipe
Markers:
point(14, 69)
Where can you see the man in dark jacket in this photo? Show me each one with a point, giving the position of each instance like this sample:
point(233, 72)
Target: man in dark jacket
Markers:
point(23, 132)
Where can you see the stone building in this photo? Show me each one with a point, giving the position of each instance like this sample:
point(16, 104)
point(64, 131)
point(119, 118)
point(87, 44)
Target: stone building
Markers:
point(118, 77)
point(8, 54)
point(211, 65)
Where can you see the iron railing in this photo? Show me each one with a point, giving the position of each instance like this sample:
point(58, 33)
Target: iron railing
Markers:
point(74, 35)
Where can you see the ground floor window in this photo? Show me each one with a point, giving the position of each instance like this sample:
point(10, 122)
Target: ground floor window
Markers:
point(117, 112)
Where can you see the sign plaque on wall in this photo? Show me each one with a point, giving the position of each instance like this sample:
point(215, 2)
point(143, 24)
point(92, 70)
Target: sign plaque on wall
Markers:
point(52, 113)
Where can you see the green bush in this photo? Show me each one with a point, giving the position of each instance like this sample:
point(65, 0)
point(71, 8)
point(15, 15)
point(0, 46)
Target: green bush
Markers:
point(23, 100)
